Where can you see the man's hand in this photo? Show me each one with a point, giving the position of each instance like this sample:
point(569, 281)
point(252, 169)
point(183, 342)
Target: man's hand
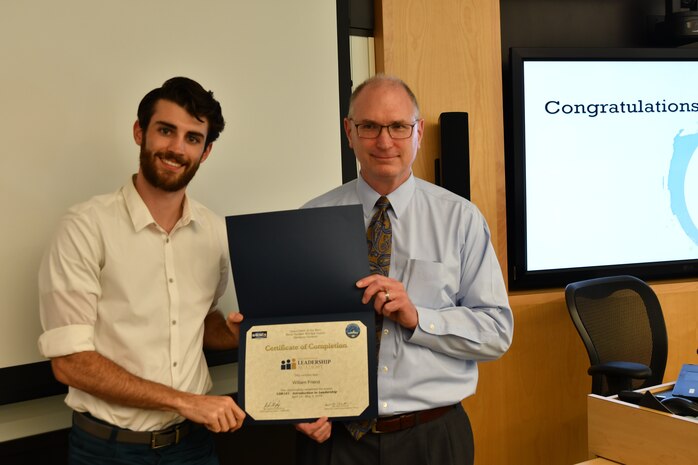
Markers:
point(319, 430)
point(93, 373)
point(233, 323)
point(221, 333)
point(390, 299)
point(219, 414)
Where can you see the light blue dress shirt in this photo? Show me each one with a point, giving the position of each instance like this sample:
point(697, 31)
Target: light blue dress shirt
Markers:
point(442, 253)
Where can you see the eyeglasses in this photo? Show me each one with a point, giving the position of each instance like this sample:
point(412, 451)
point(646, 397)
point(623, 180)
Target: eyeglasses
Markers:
point(395, 130)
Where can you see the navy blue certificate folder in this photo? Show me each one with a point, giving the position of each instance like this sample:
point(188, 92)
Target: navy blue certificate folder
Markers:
point(301, 266)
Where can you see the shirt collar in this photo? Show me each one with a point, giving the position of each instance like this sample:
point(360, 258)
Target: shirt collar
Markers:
point(140, 215)
point(399, 198)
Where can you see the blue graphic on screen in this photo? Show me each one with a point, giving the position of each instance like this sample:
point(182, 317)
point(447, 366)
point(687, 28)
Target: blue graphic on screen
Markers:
point(684, 148)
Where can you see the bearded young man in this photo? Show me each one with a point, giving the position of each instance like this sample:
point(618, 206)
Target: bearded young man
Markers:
point(129, 290)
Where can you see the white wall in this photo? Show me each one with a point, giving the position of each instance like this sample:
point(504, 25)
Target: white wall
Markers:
point(72, 73)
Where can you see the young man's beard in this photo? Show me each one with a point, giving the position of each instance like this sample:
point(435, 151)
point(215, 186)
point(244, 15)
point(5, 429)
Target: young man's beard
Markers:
point(166, 181)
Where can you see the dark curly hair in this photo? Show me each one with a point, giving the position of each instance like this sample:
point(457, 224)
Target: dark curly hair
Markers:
point(188, 94)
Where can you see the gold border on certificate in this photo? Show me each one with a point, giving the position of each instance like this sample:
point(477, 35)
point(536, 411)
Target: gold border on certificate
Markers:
point(306, 370)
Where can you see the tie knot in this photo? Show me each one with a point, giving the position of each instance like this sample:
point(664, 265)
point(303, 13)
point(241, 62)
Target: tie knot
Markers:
point(383, 202)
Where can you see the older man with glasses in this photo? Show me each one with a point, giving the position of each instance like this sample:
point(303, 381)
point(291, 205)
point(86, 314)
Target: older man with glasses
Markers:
point(437, 288)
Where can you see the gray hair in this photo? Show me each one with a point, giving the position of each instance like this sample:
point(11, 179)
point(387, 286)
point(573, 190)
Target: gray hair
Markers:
point(380, 79)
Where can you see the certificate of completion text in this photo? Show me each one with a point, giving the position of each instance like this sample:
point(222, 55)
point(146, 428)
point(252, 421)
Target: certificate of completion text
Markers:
point(306, 370)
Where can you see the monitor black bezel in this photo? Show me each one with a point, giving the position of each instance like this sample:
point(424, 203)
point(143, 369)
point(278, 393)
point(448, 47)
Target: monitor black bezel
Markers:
point(519, 277)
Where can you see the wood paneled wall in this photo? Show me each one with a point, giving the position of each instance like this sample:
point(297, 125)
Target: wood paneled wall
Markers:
point(530, 407)
point(443, 52)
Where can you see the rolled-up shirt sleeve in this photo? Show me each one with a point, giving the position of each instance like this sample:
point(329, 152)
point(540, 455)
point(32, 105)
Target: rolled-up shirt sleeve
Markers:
point(69, 288)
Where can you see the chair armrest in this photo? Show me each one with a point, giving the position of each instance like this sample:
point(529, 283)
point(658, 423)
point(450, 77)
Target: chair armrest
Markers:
point(621, 369)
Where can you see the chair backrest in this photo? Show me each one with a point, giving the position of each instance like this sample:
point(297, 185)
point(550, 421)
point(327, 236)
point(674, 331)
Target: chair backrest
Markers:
point(619, 318)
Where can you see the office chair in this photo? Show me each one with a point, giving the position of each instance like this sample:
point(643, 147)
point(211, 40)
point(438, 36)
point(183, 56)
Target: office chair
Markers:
point(622, 326)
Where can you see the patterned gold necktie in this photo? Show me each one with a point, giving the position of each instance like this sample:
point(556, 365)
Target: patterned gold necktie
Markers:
point(379, 237)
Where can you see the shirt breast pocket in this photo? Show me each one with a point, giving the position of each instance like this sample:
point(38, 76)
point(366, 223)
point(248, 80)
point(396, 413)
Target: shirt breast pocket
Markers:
point(430, 284)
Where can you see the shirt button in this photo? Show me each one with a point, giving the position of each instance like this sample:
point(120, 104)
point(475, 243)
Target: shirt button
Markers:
point(167, 240)
point(431, 326)
point(174, 364)
point(174, 322)
point(385, 369)
point(386, 331)
point(385, 405)
point(172, 280)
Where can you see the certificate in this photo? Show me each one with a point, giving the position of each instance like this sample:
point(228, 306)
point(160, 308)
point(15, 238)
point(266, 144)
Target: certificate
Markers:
point(307, 343)
point(306, 370)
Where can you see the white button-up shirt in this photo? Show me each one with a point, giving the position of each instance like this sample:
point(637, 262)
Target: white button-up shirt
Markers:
point(115, 282)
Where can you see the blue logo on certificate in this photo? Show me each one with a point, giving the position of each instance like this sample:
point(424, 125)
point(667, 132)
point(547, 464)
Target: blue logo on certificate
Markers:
point(259, 334)
point(353, 330)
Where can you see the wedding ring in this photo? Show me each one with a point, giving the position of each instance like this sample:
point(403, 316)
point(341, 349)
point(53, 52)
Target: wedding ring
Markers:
point(387, 295)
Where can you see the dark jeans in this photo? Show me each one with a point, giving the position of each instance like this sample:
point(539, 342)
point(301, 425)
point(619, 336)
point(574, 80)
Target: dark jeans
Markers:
point(445, 441)
point(197, 448)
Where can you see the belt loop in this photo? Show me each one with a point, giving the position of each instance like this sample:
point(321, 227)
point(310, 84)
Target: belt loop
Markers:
point(112, 435)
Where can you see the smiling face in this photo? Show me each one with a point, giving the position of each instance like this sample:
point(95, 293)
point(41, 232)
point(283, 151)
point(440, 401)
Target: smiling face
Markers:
point(172, 146)
point(385, 162)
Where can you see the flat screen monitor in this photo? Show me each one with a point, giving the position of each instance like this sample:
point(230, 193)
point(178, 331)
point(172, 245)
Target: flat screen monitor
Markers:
point(601, 176)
